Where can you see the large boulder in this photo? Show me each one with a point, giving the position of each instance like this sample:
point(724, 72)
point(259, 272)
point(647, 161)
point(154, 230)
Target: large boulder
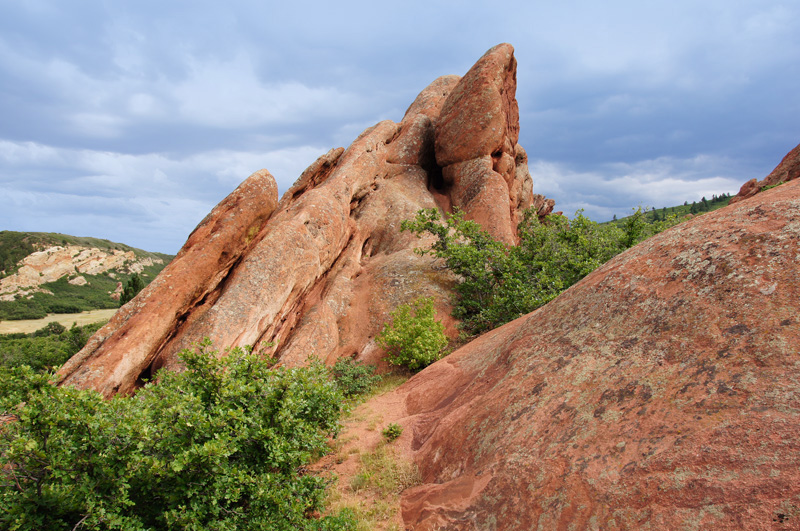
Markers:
point(660, 392)
point(319, 274)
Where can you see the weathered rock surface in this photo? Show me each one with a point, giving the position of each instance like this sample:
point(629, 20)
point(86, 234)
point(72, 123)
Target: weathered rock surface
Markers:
point(55, 262)
point(660, 392)
point(322, 275)
point(476, 145)
point(122, 351)
point(787, 170)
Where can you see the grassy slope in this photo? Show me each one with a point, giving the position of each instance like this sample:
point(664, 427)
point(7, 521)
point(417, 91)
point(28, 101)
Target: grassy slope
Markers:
point(66, 298)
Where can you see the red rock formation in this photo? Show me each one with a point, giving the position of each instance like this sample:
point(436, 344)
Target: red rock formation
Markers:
point(787, 170)
point(321, 277)
point(476, 145)
point(122, 352)
point(660, 392)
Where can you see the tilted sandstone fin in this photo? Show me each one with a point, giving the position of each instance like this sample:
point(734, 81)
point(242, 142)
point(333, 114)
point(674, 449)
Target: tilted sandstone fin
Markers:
point(322, 276)
point(121, 352)
point(787, 170)
point(476, 145)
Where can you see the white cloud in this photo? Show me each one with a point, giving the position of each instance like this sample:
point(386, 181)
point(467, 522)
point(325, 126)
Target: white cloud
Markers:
point(158, 112)
point(229, 94)
point(616, 188)
point(150, 200)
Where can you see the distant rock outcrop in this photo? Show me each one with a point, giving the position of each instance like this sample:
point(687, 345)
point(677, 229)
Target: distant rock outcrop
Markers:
point(787, 170)
point(660, 392)
point(72, 261)
point(320, 272)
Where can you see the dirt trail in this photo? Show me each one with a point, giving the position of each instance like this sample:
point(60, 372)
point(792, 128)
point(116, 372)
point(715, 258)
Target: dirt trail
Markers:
point(66, 319)
point(361, 438)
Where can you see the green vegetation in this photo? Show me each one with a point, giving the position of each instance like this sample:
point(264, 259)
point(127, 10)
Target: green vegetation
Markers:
point(499, 283)
point(219, 446)
point(681, 211)
point(392, 431)
point(66, 297)
point(372, 496)
point(383, 472)
point(133, 286)
point(414, 338)
point(354, 378)
point(771, 186)
point(14, 246)
point(46, 348)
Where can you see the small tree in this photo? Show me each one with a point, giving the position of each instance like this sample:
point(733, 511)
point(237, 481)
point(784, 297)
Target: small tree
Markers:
point(132, 288)
point(414, 338)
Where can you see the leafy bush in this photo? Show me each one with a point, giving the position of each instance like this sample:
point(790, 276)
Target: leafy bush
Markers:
point(218, 446)
point(413, 338)
point(392, 431)
point(14, 246)
point(45, 348)
point(498, 283)
point(354, 378)
point(52, 328)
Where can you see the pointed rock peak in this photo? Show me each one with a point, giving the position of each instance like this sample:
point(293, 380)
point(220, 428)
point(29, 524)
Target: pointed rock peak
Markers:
point(321, 271)
point(481, 115)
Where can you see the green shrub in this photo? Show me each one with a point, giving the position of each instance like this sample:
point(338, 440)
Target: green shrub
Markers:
point(771, 186)
point(498, 283)
point(45, 348)
point(392, 431)
point(218, 446)
point(414, 338)
point(354, 378)
point(14, 246)
point(52, 328)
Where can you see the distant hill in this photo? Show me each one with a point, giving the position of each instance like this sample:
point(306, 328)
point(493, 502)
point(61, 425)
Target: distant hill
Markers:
point(45, 272)
point(694, 208)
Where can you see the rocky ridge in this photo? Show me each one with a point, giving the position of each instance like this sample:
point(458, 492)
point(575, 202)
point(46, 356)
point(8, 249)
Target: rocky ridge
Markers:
point(319, 271)
point(73, 261)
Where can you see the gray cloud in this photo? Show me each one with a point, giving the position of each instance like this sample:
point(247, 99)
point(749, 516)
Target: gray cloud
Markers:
point(135, 119)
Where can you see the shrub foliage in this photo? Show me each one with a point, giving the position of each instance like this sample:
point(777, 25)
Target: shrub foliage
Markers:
point(498, 283)
point(48, 347)
point(354, 378)
point(133, 286)
point(218, 446)
point(413, 338)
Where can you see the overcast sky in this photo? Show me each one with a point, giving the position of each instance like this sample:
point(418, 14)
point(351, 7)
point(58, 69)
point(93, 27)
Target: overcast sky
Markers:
point(130, 122)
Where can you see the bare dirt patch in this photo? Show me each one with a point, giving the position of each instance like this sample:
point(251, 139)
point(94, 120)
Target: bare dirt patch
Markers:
point(371, 472)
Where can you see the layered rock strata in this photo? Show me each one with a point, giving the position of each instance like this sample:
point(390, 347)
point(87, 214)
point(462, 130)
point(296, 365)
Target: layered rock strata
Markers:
point(319, 273)
point(660, 392)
